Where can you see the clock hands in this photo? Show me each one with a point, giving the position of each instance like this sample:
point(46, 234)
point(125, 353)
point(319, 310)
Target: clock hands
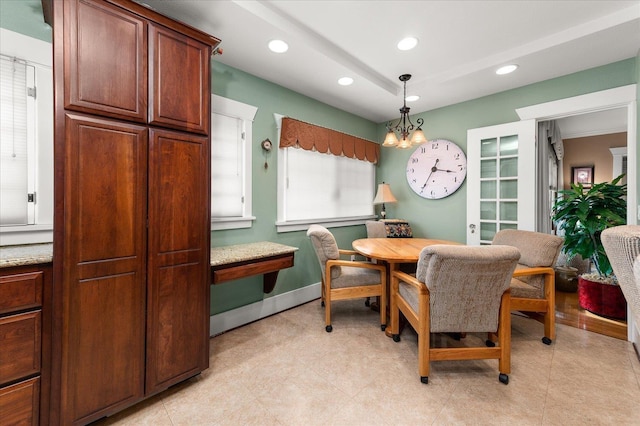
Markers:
point(443, 170)
point(433, 169)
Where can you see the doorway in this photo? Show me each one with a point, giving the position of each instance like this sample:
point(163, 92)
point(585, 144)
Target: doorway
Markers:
point(623, 98)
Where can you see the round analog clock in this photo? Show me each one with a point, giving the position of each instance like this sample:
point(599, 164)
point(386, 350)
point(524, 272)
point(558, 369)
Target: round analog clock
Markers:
point(436, 169)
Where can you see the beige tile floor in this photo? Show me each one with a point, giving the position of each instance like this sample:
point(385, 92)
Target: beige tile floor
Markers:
point(286, 370)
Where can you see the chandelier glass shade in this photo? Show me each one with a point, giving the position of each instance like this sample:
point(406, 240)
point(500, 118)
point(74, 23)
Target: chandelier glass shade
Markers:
point(405, 126)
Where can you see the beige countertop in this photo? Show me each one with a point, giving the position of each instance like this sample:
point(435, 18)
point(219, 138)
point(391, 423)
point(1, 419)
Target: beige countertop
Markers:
point(33, 254)
point(242, 252)
point(28, 254)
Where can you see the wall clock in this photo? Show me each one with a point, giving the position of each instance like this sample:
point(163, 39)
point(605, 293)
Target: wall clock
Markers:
point(436, 169)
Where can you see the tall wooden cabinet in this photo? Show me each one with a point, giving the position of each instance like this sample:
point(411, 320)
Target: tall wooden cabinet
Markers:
point(132, 188)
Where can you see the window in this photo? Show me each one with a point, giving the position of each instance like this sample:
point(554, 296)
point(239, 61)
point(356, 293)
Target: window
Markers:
point(231, 136)
point(322, 188)
point(26, 139)
point(17, 171)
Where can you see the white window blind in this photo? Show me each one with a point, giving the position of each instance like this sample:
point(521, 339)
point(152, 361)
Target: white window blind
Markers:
point(324, 186)
point(17, 121)
point(231, 136)
point(227, 166)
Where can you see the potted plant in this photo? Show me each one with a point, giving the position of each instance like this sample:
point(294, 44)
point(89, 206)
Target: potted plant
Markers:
point(582, 214)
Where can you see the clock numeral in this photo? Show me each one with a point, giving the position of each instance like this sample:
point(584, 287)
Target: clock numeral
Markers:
point(414, 160)
point(423, 150)
point(457, 156)
point(434, 146)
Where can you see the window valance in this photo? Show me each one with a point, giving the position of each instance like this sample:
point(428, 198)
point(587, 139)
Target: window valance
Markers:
point(309, 136)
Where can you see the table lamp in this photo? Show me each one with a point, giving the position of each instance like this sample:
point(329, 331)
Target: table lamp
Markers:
point(384, 195)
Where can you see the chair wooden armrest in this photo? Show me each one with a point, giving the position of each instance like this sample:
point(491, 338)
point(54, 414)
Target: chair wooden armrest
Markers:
point(409, 279)
point(533, 271)
point(355, 263)
point(345, 252)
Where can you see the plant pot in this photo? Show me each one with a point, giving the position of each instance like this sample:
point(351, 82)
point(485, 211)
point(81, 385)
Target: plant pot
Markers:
point(566, 279)
point(602, 299)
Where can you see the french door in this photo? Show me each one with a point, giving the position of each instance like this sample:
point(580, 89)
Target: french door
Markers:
point(501, 179)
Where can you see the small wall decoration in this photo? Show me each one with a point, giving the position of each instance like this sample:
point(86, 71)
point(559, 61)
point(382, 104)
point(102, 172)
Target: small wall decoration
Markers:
point(266, 149)
point(583, 175)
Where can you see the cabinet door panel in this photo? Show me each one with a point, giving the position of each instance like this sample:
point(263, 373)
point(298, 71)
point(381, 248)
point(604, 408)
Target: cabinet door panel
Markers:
point(21, 291)
point(20, 343)
point(178, 80)
point(19, 403)
point(178, 263)
point(104, 265)
point(106, 62)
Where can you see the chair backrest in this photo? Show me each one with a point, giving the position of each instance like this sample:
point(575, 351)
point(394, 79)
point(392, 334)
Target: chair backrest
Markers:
point(325, 246)
point(375, 229)
point(536, 248)
point(622, 245)
point(466, 284)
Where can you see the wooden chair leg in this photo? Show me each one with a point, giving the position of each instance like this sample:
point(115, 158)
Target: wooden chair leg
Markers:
point(504, 334)
point(424, 344)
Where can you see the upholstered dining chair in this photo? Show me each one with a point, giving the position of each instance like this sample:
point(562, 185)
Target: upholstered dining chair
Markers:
point(346, 279)
point(457, 288)
point(622, 245)
point(533, 283)
point(375, 229)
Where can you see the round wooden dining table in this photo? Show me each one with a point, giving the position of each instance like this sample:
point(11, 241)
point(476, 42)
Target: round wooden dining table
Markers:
point(394, 251)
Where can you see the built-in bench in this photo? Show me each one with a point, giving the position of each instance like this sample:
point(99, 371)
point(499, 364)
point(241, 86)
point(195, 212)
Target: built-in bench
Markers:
point(245, 260)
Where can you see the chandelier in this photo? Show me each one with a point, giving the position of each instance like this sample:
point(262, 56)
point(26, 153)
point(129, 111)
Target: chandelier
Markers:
point(404, 126)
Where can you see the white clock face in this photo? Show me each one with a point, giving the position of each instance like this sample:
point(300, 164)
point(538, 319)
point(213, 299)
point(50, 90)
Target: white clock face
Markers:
point(436, 169)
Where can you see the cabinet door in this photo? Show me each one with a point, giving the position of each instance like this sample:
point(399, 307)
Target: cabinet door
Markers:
point(105, 61)
point(178, 261)
point(102, 294)
point(178, 80)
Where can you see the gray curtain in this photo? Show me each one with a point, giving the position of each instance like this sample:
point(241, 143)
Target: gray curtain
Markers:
point(550, 152)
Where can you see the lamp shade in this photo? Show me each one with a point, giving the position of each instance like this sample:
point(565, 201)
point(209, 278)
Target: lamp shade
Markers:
point(384, 194)
point(391, 139)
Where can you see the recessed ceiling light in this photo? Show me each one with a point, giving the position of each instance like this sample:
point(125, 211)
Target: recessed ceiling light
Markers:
point(412, 98)
point(407, 43)
point(278, 46)
point(506, 69)
point(345, 81)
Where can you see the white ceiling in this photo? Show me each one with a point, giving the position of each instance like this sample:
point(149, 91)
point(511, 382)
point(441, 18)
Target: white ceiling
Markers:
point(461, 43)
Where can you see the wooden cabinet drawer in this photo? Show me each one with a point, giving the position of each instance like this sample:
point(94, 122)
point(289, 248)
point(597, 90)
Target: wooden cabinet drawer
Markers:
point(21, 291)
point(19, 403)
point(20, 343)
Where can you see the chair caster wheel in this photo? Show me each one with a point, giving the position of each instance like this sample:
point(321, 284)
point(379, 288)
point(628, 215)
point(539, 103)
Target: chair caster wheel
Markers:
point(383, 327)
point(396, 337)
point(490, 343)
point(424, 379)
point(329, 329)
point(546, 340)
point(367, 303)
point(503, 378)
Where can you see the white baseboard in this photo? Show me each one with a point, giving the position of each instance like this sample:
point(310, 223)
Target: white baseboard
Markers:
point(228, 320)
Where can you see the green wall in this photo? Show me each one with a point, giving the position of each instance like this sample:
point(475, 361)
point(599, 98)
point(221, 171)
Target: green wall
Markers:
point(24, 17)
point(270, 98)
point(446, 218)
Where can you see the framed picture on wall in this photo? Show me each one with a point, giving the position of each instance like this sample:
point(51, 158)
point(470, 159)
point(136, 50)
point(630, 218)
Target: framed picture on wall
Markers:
point(583, 175)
